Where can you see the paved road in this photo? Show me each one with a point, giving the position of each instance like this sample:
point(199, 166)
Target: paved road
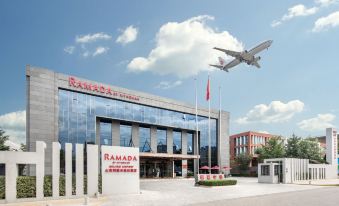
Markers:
point(328, 196)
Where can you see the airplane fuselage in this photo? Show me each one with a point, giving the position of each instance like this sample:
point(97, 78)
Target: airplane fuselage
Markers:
point(245, 56)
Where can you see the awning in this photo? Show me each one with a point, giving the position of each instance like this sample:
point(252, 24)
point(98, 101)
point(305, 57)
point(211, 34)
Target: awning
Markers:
point(168, 156)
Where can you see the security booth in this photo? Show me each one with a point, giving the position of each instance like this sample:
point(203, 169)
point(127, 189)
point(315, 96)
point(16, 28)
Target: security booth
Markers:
point(269, 173)
point(291, 170)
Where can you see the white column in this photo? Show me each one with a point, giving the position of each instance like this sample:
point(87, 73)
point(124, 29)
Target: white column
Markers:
point(92, 169)
point(68, 169)
point(10, 182)
point(40, 169)
point(55, 168)
point(79, 160)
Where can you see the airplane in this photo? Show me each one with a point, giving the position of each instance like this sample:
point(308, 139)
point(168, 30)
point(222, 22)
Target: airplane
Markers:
point(245, 56)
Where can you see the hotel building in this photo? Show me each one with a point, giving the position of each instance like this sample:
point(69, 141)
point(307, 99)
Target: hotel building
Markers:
point(70, 109)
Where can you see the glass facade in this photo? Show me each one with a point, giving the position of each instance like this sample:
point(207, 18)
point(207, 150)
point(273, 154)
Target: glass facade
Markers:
point(105, 133)
point(126, 136)
point(176, 142)
point(190, 143)
point(144, 139)
point(161, 141)
point(78, 114)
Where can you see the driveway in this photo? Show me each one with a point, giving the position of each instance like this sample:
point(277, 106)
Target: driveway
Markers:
point(183, 192)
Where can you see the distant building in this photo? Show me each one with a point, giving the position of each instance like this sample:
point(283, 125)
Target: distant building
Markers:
point(247, 143)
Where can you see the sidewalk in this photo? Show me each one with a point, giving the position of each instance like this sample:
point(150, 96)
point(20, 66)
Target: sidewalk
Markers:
point(64, 202)
point(328, 182)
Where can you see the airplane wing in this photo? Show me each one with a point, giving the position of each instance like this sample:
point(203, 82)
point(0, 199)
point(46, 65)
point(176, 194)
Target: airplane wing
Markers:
point(233, 63)
point(217, 66)
point(256, 64)
point(260, 47)
point(228, 52)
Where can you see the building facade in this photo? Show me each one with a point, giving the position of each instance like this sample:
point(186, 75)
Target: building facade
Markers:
point(69, 109)
point(247, 143)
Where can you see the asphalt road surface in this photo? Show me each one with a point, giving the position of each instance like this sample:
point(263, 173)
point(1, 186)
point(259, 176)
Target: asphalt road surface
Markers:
point(328, 196)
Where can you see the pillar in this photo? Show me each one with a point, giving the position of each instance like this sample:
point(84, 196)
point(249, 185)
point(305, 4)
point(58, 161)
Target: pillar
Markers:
point(40, 169)
point(79, 170)
point(92, 170)
point(55, 169)
point(135, 135)
point(10, 182)
point(115, 133)
point(169, 133)
point(68, 169)
point(153, 139)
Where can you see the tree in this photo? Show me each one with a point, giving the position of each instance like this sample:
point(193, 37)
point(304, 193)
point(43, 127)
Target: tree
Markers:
point(310, 149)
point(274, 148)
point(3, 139)
point(243, 161)
point(293, 147)
point(307, 148)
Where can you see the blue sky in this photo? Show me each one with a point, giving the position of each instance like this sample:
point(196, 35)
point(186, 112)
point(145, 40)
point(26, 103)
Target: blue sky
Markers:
point(167, 45)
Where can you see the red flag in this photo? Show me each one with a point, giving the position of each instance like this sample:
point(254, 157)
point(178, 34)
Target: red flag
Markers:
point(208, 89)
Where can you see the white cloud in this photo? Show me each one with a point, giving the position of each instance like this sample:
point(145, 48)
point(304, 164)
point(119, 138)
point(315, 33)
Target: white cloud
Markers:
point(320, 122)
point(276, 111)
point(263, 131)
point(324, 23)
point(13, 145)
point(185, 48)
point(69, 49)
point(168, 85)
point(100, 50)
point(295, 11)
point(326, 2)
point(128, 35)
point(14, 124)
point(92, 37)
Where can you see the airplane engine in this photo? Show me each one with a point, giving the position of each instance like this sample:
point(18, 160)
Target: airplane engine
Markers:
point(257, 58)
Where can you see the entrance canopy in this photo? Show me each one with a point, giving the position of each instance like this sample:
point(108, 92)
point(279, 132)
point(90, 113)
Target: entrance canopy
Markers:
point(165, 155)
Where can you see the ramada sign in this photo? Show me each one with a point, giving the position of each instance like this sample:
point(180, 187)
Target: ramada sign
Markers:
point(73, 82)
point(120, 163)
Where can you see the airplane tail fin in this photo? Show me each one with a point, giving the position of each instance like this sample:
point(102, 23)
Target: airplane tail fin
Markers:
point(221, 64)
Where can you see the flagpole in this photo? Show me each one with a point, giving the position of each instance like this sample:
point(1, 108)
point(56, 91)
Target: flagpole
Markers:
point(196, 127)
point(219, 135)
point(209, 126)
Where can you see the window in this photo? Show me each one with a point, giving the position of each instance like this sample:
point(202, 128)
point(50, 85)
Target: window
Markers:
point(161, 141)
point(176, 142)
point(144, 139)
point(105, 133)
point(276, 170)
point(126, 136)
point(190, 143)
point(265, 170)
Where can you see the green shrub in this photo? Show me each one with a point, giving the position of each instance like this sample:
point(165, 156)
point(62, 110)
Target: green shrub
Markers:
point(217, 182)
point(2, 187)
point(26, 186)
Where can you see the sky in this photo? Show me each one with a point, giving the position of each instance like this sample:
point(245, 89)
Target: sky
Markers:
point(160, 47)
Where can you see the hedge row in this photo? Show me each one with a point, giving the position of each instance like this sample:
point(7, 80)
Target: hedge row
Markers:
point(25, 186)
point(217, 182)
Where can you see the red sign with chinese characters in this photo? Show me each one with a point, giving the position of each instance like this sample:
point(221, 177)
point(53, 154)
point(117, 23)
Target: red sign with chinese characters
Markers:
point(73, 82)
point(120, 163)
point(202, 177)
